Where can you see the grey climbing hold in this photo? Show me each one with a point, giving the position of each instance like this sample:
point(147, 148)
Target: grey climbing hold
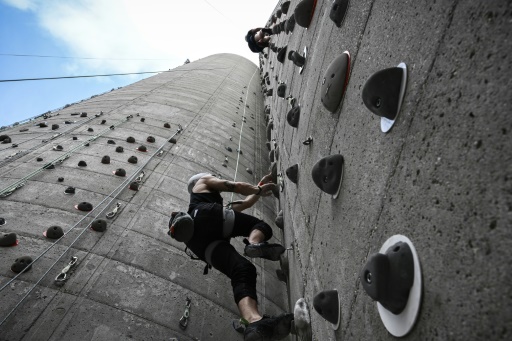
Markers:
point(281, 55)
point(290, 24)
point(105, 159)
point(150, 139)
point(229, 149)
point(84, 114)
point(142, 148)
point(39, 159)
point(249, 170)
point(111, 142)
point(132, 159)
point(82, 163)
point(281, 90)
point(70, 190)
point(43, 125)
point(167, 125)
point(119, 172)
point(269, 92)
point(292, 173)
point(134, 186)
point(327, 304)
point(271, 155)
point(55, 126)
point(338, 11)
point(22, 263)
point(119, 149)
point(90, 129)
point(280, 220)
point(142, 119)
point(172, 140)
point(327, 174)
point(61, 179)
point(335, 82)
point(130, 139)
point(99, 225)
point(285, 6)
point(53, 232)
point(383, 94)
point(84, 206)
point(9, 239)
point(293, 116)
point(304, 12)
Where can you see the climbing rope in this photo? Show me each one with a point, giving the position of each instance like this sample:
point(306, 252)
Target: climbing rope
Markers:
point(118, 190)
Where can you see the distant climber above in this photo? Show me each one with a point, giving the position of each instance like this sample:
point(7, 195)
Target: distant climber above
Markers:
point(258, 38)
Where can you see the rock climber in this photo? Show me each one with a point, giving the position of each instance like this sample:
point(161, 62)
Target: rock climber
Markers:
point(206, 229)
point(258, 38)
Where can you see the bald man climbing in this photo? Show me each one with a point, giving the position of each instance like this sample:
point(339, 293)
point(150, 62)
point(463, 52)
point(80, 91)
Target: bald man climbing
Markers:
point(206, 229)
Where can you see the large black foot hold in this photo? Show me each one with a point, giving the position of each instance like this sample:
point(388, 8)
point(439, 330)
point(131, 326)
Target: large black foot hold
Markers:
point(269, 328)
point(264, 250)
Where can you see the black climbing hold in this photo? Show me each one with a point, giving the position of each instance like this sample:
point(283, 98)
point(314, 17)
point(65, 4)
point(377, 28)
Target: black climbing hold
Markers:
point(327, 304)
point(229, 149)
point(90, 129)
point(134, 186)
point(142, 119)
point(297, 59)
point(54, 232)
point(172, 140)
point(105, 159)
point(167, 125)
point(69, 122)
point(49, 166)
point(99, 225)
point(120, 172)
point(61, 179)
point(275, 29)
point(285, 6)
point(84, 206)
point(335, 82)
point(119, 149)
point(9, 239)
point(112, 127)
point(58, 147)
point(132, 159)
point(290, 24)
point(21, 263)
point(383, 92)
point(87, 144)
point(273, 172)
point(142, 148)
point(278, 13)
point(75, 138)
point(282, 25)
point(150, 139)
point(271, 155)
point(281, 90)
point(292, 173)
point(388, 278)
point(249, 170)
point(55, 126)
point(43, 125)
point(103, 121)
point(130, 139)
point(269, 92)
point(268, 145)
point(270, 126)
point(338, 11)
point(304, 12)
point(23, 130)
point(328, 173)
point(279, 220)
point(82, 163)
point(2, 221)
point(111, 142)
point(281, 55)
point(84, 114)
point(39, 159)
point(281, 275)
point(293, 116)
point(75, 113)
point(69, 190)
point(276, 154)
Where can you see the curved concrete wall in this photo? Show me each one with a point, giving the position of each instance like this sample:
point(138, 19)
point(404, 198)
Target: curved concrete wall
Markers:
point(132, 280)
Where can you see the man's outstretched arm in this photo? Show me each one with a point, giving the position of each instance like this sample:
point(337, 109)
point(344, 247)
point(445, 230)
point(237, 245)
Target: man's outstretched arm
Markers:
point(211, 183)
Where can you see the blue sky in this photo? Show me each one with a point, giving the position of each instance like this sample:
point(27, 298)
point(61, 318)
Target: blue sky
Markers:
point(124, 35)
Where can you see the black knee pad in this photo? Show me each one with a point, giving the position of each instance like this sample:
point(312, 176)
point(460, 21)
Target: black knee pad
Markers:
point(265, 228)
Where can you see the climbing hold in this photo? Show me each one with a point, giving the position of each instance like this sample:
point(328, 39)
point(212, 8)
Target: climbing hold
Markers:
point(275, 29)
point(70, 190)
point(297, 59)
point(61, 179)
point(39, 159)
point(142, 148)
point(393, 278)
point(276, 154)
point(304, 12)
point(281, 55)
point(130, 139)
point(21, 264)
point(90, 129)
point(301, 319)
point(87, 144)
point(82, 163)
point(142, 119)
point(327, 304)
point(132, 159)
point(55, 126)
point(84, 114)
point(53, 232)
point(75, 138)
point(172, 140)
point(292, 173)
point(338, 11)
point(290, 24)
point(119, 149)
point(8, 239)
point(84, 206)
point(229, 149)
point(49, 166)
point(99, 225)
point(327, 174)
point(335, 82)
point(281, 90)
point(278, 13)
point(167, 125)
point(269, 92)
point(134, 186)
point(383, 94)
point(150, 139)
point(43, 125)
point(2, 221)
point(119, 172)
point(111, 142)
point(307, 141)
point(285, 6)
point(23, 130)
point(271, 155)
point(270, 126)
point(58, 148)
point(293, 116)
point(279, 220)
point(105, 159)
point(249, 170)
point(281, 275)
point(67, 122)
point(273, 172)
point(103, 121)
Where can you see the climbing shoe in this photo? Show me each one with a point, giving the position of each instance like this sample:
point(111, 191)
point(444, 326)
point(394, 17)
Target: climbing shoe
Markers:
point(269, 328)
point(264, 250)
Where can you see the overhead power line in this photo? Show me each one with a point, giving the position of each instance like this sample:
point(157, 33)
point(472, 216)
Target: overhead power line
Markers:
point(67, 77)
point(64, 57)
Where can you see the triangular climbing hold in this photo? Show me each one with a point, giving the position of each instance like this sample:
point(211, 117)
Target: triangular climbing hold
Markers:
point(335, 82)
point(304, 12)
point(327, 174)
point(338, 11)
point(327, 304)
point(292, 173)
point(293, 116)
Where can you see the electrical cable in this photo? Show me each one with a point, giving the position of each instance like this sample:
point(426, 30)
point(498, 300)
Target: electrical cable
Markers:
point(63, 57)
point(71, 77)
